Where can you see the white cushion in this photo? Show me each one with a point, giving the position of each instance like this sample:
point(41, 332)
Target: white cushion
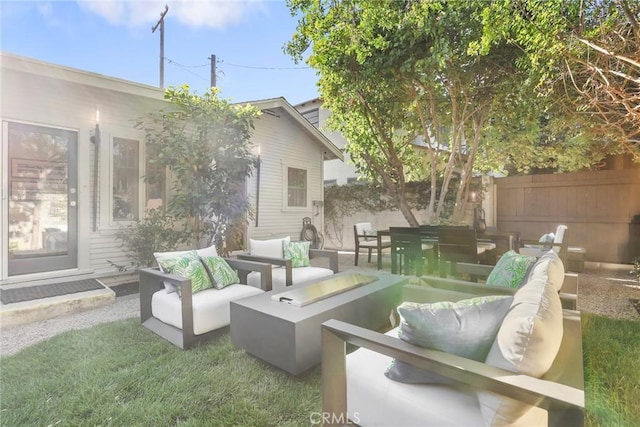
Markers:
point(529, 337)
point(548, 265)
point(465, 328)
point(210, 307)
point(365, 228)
point(375, 400)
point(273, 248)
point(298, 275)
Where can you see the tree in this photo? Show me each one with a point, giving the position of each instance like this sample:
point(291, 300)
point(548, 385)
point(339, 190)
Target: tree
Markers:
point(584, 53)
point(204, 142)
point(392, 72)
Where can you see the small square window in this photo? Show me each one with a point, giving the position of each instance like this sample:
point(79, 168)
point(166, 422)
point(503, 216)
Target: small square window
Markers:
point(296, 188)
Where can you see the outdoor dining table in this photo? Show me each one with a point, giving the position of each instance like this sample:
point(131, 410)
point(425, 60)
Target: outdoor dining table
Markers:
point(487, 240)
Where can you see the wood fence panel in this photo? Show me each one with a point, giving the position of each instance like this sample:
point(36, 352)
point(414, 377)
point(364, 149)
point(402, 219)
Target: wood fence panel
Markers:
point(596, 206)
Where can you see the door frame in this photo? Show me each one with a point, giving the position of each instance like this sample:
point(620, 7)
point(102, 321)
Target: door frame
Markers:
point(70, 261)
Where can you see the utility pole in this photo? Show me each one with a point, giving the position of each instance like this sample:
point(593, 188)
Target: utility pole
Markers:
point(213, 70)
point(153, 30)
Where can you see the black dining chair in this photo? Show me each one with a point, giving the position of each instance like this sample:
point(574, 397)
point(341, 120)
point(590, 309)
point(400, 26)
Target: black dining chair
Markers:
point(407, 250)
point(457, 244)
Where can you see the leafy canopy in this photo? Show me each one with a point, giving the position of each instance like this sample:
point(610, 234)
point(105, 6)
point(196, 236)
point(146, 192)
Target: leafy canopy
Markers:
point(204, 142)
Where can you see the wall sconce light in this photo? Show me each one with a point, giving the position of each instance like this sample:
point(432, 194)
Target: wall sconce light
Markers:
point(473, 197)
point(95, 139)
point(258, 162)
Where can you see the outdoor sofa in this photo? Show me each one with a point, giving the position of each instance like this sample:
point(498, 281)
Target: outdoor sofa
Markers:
point(531, 375)
point(289, 270)
point(187, 317)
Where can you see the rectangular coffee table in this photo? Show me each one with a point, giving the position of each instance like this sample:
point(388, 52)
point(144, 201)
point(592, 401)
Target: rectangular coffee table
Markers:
point(288, 336)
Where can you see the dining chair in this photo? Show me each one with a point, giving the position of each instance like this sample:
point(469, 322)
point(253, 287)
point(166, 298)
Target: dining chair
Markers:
point(457, 244)
point(366, 237)
point(407, 250)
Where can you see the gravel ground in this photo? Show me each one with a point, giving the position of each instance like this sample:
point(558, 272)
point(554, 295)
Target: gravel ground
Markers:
point(604, 292)
point(16, 338)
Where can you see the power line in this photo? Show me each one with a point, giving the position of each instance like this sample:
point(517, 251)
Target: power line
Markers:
point(264, 68)
point(187, 68)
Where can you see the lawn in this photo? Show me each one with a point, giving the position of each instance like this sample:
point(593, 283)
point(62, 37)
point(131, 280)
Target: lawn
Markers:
point(122, 374)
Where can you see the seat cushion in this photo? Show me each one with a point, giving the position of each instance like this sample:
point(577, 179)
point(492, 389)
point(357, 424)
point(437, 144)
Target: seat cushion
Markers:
point(210, 307)
point(375, 400)
point(299, 275)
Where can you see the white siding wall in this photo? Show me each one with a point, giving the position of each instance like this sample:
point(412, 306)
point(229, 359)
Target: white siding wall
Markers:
point(57, 103)
point(284, 143)
point(337, 170)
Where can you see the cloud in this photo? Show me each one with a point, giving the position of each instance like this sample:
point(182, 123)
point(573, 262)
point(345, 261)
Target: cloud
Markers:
point(192, 13)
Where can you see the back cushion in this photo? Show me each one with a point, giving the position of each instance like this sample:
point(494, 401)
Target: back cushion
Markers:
point(273, 248)
point(528, 340)
point(548, 265)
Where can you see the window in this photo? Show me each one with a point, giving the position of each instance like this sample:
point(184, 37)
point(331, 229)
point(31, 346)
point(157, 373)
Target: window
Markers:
point(312, 116)
point(352, 180)
point(125, 179)
point(155, 178)
point(296, 188)
point(330, 182)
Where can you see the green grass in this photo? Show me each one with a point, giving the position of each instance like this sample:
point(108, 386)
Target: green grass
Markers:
point(122, 374)
point(612, 370)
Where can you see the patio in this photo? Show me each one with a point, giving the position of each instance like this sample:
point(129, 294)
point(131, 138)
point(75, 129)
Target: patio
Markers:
point(603, 291)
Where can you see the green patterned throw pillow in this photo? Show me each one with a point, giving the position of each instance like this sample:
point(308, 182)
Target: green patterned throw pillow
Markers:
point(220, 271)
point(510, 271)
point(189, 267)
point(298, 253)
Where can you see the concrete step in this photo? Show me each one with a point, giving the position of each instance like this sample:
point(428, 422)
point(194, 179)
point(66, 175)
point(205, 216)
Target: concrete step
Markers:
point(24, 312)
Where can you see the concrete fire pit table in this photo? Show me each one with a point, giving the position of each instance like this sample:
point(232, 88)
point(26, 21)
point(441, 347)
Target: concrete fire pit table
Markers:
point(283, 327)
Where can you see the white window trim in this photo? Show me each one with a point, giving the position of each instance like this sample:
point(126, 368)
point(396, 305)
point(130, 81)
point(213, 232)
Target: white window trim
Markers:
point(106, 202)
point(285, 189)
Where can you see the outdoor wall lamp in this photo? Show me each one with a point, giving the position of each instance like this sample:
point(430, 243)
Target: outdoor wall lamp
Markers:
point(95, 139)
point(258, 161)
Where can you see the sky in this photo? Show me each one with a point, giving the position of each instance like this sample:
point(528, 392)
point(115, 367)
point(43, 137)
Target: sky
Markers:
point(114, 38)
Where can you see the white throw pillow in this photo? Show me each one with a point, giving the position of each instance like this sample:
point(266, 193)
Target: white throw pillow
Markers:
point(273, 248)
point(527, 342)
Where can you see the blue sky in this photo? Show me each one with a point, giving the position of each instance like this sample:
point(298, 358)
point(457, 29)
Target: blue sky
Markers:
point(114, 38)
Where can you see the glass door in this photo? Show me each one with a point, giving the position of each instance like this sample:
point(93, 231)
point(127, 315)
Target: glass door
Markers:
point(42, 199)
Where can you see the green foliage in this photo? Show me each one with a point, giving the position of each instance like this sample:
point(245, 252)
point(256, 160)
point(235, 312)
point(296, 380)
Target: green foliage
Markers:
point(391, 72)
point(204, 142)
point(156, 232)
point(582, 55)
point(341, 202)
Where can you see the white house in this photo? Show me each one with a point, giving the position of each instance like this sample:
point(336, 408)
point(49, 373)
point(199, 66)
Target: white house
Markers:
point(335, 171)
point(72, 164)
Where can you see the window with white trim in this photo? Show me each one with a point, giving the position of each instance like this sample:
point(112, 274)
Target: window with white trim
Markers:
point(296, 187)
point(126, 179)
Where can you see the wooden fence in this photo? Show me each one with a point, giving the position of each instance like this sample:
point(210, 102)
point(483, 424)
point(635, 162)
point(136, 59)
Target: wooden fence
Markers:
point(598, 207)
